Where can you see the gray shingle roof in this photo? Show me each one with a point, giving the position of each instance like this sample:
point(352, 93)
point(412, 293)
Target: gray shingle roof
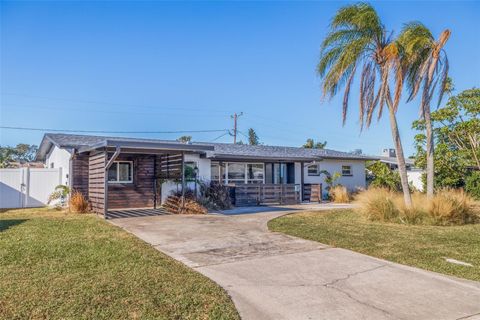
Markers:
point(221, 150)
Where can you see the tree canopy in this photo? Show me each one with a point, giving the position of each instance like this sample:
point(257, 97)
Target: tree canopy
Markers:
point(21, 153)
point(457, 135)
point(311, 144)
point(253, 137)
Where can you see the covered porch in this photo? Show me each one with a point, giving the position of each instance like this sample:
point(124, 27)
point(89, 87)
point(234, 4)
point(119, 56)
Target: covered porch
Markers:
point(125, 178)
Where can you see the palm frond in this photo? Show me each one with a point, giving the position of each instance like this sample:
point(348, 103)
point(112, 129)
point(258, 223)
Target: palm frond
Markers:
point(444, 80)
point(347, 93)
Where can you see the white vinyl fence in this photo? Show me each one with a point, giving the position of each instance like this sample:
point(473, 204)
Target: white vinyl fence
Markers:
point(27, 187)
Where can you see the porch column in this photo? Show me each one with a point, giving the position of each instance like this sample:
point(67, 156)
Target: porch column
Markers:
point(183, 178)
point(302, 164)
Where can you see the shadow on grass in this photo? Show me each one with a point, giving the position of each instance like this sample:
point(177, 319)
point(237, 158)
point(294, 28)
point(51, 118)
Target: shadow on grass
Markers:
point(7, 224)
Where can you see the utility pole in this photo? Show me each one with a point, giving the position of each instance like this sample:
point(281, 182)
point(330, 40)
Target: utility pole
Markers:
point(235, 117)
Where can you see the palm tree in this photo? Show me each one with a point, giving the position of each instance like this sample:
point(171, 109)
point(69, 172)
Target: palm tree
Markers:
point(358, 40)
point(424, 62)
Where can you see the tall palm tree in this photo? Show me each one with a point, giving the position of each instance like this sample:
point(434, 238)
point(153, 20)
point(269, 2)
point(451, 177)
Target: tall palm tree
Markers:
point(424, 62)
point(358, 40)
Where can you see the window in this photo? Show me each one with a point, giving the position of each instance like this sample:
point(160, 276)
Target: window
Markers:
point(121, 172)
point(347, 170)
point(255, 173)
point(314, 170)
point(236, 172)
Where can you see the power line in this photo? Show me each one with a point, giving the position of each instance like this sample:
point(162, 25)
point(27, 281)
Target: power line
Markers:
point(220, 136)
point(96, 102)
point(105, 131)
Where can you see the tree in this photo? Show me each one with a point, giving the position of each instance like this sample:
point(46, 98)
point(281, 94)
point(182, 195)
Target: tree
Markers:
point(311, 144)
point(380, 175)
point(253, 137)
point(456, 129)
point(358, 40)
point(425, 63)
point(185, 139)
point(21, 153)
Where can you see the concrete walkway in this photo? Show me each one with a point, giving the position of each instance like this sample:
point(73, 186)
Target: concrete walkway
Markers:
point(275, 276)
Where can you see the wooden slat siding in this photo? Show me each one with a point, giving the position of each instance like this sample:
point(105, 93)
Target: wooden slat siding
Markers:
point(169, 166)
point(312, 193)
point(96, 182)
point(256, 194)
point(80, 174)
point(140, 193)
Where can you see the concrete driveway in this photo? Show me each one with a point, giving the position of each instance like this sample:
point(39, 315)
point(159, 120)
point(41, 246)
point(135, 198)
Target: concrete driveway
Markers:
point(275, 276)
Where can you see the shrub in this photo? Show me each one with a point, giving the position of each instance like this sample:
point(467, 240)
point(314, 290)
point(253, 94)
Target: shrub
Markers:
point(215, 196)
point(472, 184)
point(61, 193)
point(339, 194)
point(447, 207)
point(78, 202)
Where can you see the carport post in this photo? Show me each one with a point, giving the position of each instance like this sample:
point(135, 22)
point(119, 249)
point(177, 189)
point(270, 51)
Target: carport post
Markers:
point(108, 164)
point(183, 179)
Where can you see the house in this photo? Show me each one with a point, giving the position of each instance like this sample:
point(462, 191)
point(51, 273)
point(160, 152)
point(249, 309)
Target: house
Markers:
point(414, 174)
point(120, 173)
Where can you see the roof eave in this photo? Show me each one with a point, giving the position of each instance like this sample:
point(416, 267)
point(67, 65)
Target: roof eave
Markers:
point(146, 146)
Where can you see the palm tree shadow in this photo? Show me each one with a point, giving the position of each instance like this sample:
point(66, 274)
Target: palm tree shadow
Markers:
point(7, 224)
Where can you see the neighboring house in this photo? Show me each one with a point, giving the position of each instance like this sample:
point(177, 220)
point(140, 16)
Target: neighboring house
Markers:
point(414, 174)
point(120, 173)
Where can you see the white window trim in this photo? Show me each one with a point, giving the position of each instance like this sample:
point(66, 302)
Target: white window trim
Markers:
point(313, 174)
point(118, 173)
point(245, 180)
point(351, 171)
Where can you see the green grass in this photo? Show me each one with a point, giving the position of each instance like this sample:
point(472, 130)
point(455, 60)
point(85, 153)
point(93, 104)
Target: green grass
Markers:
point(54, 265)
point(420, 246)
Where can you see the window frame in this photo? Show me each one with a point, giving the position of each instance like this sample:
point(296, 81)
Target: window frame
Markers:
point(349, 170)
point(317, 170)
point(118, 181)
point(223, 175)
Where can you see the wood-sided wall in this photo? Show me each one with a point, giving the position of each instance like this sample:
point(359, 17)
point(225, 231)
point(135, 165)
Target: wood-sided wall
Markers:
point(140, 193)
point(96, 182)
point(80, 174)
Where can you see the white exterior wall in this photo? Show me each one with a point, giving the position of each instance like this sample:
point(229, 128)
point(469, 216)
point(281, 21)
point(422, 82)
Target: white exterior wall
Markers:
point(353, 182)
point(204, 174)
point(415, 178)
point(59, 158)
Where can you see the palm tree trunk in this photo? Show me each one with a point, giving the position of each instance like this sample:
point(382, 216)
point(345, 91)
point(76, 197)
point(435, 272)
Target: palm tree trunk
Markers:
point(428, 126)
point(402, 168)
point(430, 153)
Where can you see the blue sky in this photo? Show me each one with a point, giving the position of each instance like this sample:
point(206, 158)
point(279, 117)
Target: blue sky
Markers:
point(168, 66)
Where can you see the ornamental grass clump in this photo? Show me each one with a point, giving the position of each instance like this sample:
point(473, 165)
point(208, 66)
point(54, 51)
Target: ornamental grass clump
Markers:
point(339, 194)
point(377, 204)
point(78, 203)
point(446, 207)
point(452, 207)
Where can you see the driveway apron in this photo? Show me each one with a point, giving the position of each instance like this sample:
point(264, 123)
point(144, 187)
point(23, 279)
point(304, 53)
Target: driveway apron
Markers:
point(274, 276)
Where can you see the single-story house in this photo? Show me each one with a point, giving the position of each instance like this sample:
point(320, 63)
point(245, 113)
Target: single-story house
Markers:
point(124, 173)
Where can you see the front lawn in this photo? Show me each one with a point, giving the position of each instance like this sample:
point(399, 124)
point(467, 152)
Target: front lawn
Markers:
point(420, 246)
point(57, 266)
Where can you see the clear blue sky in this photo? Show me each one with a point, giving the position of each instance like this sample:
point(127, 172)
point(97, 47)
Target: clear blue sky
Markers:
point(142, 66)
